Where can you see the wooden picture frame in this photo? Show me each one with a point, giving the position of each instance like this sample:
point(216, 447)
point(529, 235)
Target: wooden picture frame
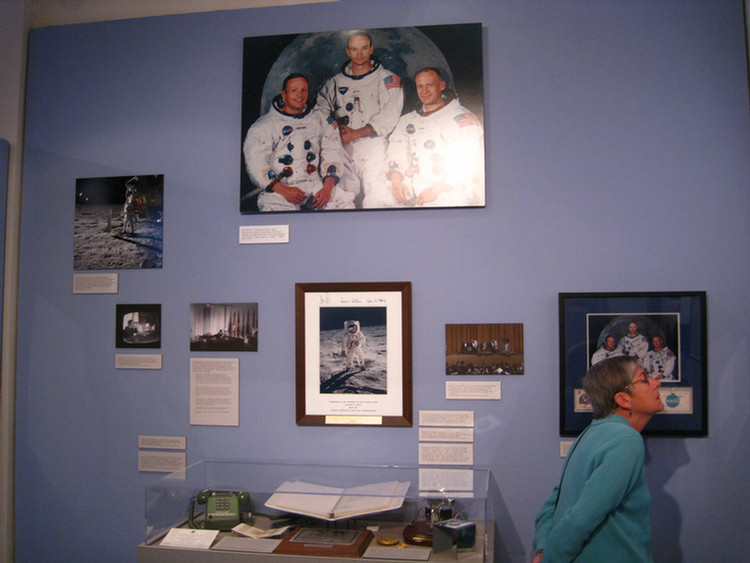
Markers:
point(335, 383)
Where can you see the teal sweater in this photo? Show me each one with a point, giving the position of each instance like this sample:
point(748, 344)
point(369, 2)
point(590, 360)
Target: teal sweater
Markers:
point(603, 508)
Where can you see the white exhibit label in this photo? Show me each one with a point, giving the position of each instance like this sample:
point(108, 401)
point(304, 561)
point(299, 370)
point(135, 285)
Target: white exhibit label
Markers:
point(162, 442)
point(445, 479)
point(95, 283)
point(137, 361)
point(161, 462)
point(446, 418)
point(489, 390)
point(446, 454)
point(214, 391)
point(264, 234)
point(187, 537)
point(565, 447)
point(431, 434)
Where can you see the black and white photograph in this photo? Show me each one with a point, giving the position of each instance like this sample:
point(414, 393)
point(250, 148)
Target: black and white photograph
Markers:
point(224, 327)
point(353, 350)
point(388, 118)
point(138, 326)
point(484, 349)
point(119, 222)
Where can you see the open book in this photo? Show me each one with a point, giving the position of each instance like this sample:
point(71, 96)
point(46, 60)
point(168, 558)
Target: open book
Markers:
point(333, 503)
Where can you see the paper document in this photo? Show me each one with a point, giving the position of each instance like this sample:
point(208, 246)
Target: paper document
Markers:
point(333, 503)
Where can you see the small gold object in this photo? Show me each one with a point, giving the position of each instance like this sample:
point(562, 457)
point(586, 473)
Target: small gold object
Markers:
point(387, 540)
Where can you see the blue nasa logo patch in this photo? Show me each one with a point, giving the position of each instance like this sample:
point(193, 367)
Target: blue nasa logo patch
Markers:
point(410, 129)
point(287, 130)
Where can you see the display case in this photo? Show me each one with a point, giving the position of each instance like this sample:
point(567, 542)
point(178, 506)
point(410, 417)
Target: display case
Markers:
point(286, 512)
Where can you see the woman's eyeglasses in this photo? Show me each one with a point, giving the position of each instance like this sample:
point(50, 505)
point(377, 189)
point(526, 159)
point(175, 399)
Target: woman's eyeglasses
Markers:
point(643, 379)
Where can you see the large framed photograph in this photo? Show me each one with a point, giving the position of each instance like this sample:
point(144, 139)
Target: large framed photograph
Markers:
point(354, 353)
point(666, 331)
point(388, 118)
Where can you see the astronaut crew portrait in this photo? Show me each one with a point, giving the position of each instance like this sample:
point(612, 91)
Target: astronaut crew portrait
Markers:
point(643, 339)
point(360, 134)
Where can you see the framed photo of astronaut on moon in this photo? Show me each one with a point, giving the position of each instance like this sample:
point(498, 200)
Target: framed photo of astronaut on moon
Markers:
point(353, 364)
point(666, 332)
point(386, 118)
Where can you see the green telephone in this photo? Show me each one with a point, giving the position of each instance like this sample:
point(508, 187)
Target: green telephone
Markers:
point(222, 509)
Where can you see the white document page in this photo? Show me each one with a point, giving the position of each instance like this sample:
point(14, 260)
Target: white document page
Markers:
point(214, 391)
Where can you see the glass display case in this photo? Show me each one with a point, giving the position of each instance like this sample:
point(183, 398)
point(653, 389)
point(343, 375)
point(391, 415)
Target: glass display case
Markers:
point(286, 512)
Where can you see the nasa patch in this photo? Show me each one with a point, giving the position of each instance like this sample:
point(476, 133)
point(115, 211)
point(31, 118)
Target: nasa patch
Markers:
point(287, 130)
point(410, 129)
point(343, 90)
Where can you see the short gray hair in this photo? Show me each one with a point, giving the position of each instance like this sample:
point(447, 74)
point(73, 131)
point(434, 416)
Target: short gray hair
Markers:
point(607, 378)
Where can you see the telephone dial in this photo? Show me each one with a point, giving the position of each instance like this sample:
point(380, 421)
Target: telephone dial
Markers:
point(223, 509)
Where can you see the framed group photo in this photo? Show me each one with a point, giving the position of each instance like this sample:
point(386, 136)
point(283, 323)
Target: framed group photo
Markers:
point(353, 362)
point(665, 331)
point(335, 120)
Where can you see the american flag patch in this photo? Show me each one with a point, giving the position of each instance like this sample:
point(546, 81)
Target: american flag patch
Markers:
point(332, 121)
point(466, 119)
point(392, 81)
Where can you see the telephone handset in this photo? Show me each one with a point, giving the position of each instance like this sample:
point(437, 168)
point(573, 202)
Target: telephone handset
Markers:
point(222, 509)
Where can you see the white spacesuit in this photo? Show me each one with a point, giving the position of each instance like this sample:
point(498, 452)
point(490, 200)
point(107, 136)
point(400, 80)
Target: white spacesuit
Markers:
point(297, 150)
point(443, 150)
point(634, 345)
point(354, 344)
point(375, 99)
point(659, 364)
point(604, 354)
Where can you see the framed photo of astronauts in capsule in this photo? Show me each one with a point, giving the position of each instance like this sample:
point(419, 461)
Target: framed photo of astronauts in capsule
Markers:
point(666, 332)
point(389, 118)
point(353, 343)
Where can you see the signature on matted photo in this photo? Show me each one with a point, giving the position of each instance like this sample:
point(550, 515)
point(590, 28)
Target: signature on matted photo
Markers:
point(388, 118)
point(118, 222)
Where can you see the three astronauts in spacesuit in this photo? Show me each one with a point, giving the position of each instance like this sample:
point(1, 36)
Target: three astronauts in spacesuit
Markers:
point(356, 149)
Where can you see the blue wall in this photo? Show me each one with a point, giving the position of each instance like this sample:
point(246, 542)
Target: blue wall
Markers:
point(618, 146)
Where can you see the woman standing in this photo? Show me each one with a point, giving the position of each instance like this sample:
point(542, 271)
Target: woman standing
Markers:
point(600, 510)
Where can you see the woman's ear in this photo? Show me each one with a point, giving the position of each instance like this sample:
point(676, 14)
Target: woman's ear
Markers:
point(622, 399)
